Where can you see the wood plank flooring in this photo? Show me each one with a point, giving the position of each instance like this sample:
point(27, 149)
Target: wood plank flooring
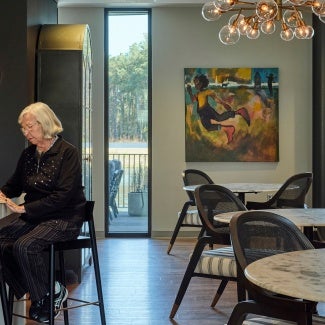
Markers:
point(140, 282)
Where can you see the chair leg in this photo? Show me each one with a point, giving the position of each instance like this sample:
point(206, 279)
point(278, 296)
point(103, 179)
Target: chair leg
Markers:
point(97, 274)
point(52, 284)
point(219, 292)
point(115, 210)
point(178, 225)
point(11, 298)
point(63, 281)
point(239, 313)
point(4, 301)
point(187, 276)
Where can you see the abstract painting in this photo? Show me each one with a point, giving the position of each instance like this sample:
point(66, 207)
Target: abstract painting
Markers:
point(231, 114)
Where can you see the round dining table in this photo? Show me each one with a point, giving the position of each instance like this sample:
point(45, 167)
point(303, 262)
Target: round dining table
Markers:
point(242, 188)
point(303, 218)
point(298, 274)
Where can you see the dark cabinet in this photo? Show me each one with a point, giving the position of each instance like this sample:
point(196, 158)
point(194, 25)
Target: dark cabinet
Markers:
point(64, 83)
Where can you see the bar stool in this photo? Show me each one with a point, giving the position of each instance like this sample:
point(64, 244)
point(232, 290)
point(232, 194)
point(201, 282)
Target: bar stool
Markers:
point(4, 300)
point(80, 242)
point(88, 241)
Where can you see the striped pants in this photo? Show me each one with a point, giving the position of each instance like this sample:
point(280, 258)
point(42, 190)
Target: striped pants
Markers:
point(22, 246)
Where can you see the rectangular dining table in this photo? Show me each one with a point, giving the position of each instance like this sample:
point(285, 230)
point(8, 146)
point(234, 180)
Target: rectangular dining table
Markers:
point(242, 188)
point(305, 218)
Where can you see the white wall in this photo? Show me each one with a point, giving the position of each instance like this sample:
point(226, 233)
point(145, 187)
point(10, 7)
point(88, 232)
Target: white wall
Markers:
point(94, 17)
point(181, 38)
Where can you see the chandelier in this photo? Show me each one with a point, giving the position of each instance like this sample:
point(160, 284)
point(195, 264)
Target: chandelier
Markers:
point(252, 18)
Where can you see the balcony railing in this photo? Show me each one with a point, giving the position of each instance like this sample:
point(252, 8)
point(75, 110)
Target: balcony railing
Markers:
point(135, 175)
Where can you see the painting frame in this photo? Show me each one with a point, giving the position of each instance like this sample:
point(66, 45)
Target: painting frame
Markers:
point(231, 114)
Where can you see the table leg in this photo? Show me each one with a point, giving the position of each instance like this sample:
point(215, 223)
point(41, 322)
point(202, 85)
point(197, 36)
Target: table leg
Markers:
point(241, 196)
point(309, 232)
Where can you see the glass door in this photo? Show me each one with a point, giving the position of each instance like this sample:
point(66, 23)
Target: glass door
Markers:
point(127, 123)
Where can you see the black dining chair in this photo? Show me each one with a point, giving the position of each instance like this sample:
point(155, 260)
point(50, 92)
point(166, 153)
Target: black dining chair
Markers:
point(291, 194)
point(258, 234)
point(219, 263)
point(189, 216)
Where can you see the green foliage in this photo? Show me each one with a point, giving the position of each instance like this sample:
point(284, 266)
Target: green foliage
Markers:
point(128, 94)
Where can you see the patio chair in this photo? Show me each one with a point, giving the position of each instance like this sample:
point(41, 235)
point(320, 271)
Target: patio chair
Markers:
point(113, 190)
point(291, 194)
point(258, 234)
point(189, 216)
point(219, 263)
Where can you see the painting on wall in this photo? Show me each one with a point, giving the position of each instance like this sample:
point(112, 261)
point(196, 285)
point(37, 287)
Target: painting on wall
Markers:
point(231, 114)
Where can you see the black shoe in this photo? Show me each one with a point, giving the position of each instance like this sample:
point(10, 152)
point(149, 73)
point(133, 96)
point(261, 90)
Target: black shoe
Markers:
point(39, 310)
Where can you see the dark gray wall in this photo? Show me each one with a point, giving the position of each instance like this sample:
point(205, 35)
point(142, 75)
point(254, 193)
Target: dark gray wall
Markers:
point(20, 22)
point(318, 114)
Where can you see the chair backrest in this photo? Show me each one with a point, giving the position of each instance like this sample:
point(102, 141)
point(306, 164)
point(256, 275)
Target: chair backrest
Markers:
point(195, 177)
point(213, 199)
point(114, 186)
point(89, 210)
point(258, 234)
point(293, 192)
point(114, 165)
point(88, 225)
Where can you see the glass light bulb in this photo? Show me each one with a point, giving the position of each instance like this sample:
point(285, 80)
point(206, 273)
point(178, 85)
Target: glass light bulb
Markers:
point(237, 18)
point(268, 27)
point(309, 32)
point(301, 32)
point(243, 26)
point(291, 17)
point(225, 5)
point(318, 7)
point(229, 35)
point(287, 35)
point(210, 11)
point(253, 33)
point(266, 9)
point(297, 2)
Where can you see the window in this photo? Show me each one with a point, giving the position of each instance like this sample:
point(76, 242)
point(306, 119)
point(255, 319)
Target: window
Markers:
point(128, 101)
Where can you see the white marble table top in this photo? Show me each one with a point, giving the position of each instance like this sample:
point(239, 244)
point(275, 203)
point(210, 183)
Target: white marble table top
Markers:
point(300, 217)
point(298, 274)
point(243, 187)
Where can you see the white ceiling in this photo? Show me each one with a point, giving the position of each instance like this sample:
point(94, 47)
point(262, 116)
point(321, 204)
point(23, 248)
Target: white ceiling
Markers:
point(128, 3)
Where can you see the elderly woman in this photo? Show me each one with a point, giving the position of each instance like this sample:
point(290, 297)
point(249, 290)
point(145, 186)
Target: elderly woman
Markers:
point(48, 172)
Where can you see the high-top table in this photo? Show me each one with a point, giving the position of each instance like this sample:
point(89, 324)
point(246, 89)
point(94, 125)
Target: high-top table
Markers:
point(306, 218)
point(242, 188)
point(298, 274)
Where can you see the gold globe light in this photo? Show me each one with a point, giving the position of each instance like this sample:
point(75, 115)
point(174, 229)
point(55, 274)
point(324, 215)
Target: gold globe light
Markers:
point(253, 17)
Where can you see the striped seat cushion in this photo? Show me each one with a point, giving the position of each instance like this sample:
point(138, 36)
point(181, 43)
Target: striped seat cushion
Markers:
point(192, 218)
point(220, 261)
point(270, 321)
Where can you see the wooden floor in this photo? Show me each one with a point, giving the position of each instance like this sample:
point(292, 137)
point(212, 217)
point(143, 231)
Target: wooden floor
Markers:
point(140, 282)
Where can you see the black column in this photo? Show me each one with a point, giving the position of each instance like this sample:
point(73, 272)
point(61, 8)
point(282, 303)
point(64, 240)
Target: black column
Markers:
point(318, 139)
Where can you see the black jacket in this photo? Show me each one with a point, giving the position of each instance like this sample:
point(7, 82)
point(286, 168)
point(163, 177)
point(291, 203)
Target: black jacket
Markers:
point(52, 182)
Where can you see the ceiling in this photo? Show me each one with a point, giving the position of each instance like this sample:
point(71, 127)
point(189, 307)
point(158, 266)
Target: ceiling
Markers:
point(128, 3)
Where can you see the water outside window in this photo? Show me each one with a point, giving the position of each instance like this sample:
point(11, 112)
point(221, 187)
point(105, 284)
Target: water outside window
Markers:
point(128, 123)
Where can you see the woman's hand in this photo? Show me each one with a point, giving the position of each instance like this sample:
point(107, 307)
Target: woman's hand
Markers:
point(2, 198)
point(14, 207)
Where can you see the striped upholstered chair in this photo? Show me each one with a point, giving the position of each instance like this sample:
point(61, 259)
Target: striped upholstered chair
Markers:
point(219, 263)
point(189, 216)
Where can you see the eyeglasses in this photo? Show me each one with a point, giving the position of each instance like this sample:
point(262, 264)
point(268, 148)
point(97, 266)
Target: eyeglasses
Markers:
point(28, 128)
